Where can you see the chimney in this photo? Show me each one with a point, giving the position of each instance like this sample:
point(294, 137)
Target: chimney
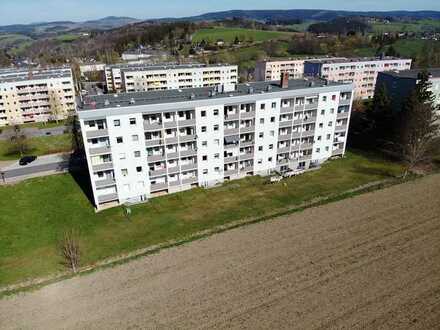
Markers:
point(284, 83)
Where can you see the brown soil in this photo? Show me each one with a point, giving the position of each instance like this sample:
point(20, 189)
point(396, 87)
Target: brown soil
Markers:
point(368, 262)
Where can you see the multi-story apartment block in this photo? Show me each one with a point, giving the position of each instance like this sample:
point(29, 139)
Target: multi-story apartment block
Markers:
point(32, 95)
point(270, 70)
point(362, 72)
point(144, 77)
point(146, 144)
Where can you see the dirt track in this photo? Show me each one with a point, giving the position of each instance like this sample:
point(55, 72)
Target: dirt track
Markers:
point(369, 262)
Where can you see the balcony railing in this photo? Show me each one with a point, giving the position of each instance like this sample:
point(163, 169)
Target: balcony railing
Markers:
point(102, 167)
point(155, 158)
point(156, 173)
point(97, 133)
point(152, 126)
point(108, 198)
point(105, 183)
point(100, 150)
point(188, 167)
point(158, 186)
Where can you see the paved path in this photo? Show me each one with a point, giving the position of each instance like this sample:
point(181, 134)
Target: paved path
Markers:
point(371, 262)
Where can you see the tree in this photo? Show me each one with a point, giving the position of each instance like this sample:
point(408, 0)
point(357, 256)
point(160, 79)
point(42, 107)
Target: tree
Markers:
point(19, 142)
point(382, 116)
point(70, 249)
point(419, 125)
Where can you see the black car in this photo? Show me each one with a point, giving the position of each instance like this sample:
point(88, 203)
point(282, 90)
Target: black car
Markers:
point(27, 160)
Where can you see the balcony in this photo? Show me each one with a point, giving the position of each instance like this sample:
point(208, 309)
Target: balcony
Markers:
point(100, 150)
point(246, 169)
point(102, 167)
point(299, 108)
point(247, 115)
point(156, 173)
point(310, 106)
point(171, 140)
point(284, 137)
point(310, 132)
point(188, 167)
point(108, 198)
point(105, 183)
point(338, 152)
point(247, 143)
point(186, 123)
point(306, 157)
point(155, 158)
point(288, 109)
point(187, 138)
point(231, 172)
point(344, 101)
point(192, 180)
point(341, 128)
point(173, 170)
point(152, 126)
point(188, 153)
point(158, 187)
point(172, 155)
point(283, 150)
point(97, 133)
point(247, 129)
point(170, 124)
point(247, 156)
point(309, 120)
point(232, 159)
point(287, 123)
point(342, 115)
point(153, 142)
point(231, 131)
point(232, 117)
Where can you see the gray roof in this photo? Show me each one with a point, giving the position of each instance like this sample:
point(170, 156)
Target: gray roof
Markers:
point(354, 60)
point(25, 74)
point(126, 67)
point(196, 94)
point(413, 74)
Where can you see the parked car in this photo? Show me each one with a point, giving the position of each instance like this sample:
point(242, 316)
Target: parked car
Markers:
point(27, 160)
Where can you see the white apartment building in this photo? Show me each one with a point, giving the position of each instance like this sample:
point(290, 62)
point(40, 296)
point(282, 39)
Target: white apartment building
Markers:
point(145, 77)
point(270, 70)
point(362, 72)
point(147, 144)
point(34, 95)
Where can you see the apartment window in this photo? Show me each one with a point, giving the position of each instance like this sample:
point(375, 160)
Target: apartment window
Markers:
point(215, 112)
point(203, 113)
point(94, 141)
point(260, 148)
point(332, 111)
point(119, 139)
point(116, 123)
point(217, 142)
point(330, 124)
point(204, 143)
point(139, 169)
point(269, 159)
point(334, 97)
point(132, 121)
point(205, 171)
point(216, 127)
point(91, 123)
point(327, 148)
point(124, 172)
point(217, 169)
point(100, 174)
point(272, 133)
point(272, 119)
point(261, 135)
point(167, 115)
point(328, 136)
point(137, 154)
point(322, 112)
point(261, 120)
point(274, 105)
point(324, 98)
point(270, 146)
point(204, 157)
point(318, 150)
point(203, 129)
point(122, 156)
point(260, 161)
point(262, 106)
point(135, 138)
point(319, 138)
point(321, 125)
point(216, 156)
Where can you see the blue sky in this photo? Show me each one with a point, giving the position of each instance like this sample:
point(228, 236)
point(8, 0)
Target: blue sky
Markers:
point(26, 11)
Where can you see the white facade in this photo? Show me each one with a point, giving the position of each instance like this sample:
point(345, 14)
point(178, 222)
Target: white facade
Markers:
point(137, 78)
point(140, 145)
point(33, 95)
point(362, 72)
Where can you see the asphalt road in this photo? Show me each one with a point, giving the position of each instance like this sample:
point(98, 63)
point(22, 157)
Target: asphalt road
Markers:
point(370, 262)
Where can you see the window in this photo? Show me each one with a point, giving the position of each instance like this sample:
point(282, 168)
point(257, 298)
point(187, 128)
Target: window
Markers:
point(122, 156)
point(269, 159)
point(261, 135)
point(328, 136)
point(217, 169)
point(262, 106)
point(330, 124)
point(203, 113)
point(318, 150)
point(274, 105)
point(322, 112)
point(205, 171)
point(139, 169)
point(135, 138)
point(100, 174)
point(333, 97)
point(116, 123)
point(216, 156)
point(204, 157)
point(272, 133)
point(327, 148)
point(119, 139)
point(270, 146)
point(216, 127)
point(260, 161)
point(91, 123)
point(215, 112)
point(132, 121)
point(94, 141)
point(321, 125)
point(203, 129)
point(332, 111)
point(319, 138)
point(260, 148)
point(324, 98)
point(124, 172)
point(261, 120)
point(204, 143)
point(167, 115)
point(137, 154)
point(217, 142)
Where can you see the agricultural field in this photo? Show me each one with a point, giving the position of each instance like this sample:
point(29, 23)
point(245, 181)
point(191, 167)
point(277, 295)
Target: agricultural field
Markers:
point(13, 40)
point(229, 35)
point(417, 26)
point(368, 262)
point(35, 213)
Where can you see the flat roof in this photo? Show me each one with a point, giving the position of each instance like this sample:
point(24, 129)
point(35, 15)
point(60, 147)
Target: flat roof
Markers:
point(413, 74)
point(126, 67)
point(356, 59)
point(197, 94)
point(26, 74)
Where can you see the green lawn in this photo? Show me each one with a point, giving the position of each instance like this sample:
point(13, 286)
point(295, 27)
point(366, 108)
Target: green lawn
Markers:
point(39, 146)
point(35, 213)
point(229, 34)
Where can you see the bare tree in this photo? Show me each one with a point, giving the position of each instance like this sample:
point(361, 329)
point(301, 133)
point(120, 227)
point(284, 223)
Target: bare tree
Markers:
point(70, 249)
point(19, 142)
point(419, 126)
